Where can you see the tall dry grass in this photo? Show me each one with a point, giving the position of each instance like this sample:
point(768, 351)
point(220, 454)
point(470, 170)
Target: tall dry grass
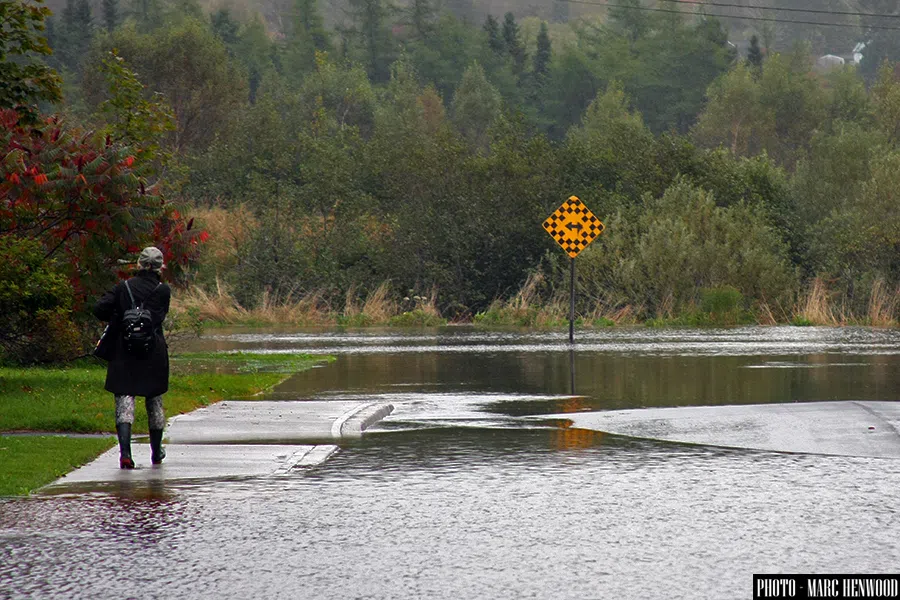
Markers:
point(883, 305)
point(818, 306)
point(220, 306)
point(377, 309)
point(815, 307)
point(527, 308)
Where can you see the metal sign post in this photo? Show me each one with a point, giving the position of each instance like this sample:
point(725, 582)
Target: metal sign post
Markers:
point(572, 303)
point(573, 226)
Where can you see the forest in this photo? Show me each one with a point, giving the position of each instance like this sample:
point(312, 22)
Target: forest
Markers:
point(381, 163)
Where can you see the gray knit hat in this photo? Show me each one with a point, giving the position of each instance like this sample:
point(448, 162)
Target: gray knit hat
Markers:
point(151, 258)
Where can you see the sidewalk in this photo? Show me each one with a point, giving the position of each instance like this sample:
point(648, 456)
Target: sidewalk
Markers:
point(237, 439)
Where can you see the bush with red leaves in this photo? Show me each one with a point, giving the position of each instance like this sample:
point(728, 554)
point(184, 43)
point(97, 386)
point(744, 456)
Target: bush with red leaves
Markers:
point(84, 198)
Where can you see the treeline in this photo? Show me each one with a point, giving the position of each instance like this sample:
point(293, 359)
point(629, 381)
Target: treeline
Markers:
point(415, 148)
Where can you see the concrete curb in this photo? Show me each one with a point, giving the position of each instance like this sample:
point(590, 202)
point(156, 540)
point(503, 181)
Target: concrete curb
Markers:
point(352, 423)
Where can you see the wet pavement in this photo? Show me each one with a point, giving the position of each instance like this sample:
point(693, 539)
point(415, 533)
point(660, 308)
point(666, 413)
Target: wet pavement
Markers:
point(233, 439)
point(512, 468)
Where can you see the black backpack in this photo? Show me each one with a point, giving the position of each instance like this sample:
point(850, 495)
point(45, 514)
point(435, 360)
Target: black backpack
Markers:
point(137, 327)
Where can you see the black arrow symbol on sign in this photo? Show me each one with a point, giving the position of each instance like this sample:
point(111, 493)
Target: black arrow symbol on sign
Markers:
point(571, 226)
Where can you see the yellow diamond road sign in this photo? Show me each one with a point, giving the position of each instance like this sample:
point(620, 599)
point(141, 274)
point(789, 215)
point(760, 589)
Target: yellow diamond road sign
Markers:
point(573, 226)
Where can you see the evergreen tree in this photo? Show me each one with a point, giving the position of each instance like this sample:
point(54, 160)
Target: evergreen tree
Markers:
point(110, 14)
point(543, 53)
point(628, 18)
point(512, 41)
point(225, 28)
point(420, 16)
point(147, 13)
point(309, 22)
point(492, 28)
point(73, 36)
point(754, 54)
point(372, 37)
point(307, 35)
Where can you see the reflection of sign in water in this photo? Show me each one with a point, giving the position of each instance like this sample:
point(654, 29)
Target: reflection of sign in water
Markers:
point(573, 226)
point(571, 438)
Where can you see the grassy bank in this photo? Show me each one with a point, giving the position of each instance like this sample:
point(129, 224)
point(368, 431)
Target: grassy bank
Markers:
point(530, 307)
point(71, 399)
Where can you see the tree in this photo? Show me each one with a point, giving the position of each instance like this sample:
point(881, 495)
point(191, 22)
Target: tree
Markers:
point(492, 29)
point(73, 34)
point(35, 305)
point(306, 36)
point(110, 14)
point(886, 102)
point(543, 53)
point(85, 199)
point(512, 41)
point(149, 14)
point(133, 119)
point(476, 105)
point(733, 116)
point(372, 37)
point(24, 81)
point(225, 27)
point(420, 18)
point(188, 65)
point(754, 54)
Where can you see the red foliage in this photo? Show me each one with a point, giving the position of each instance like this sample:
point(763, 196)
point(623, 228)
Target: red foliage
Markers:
point(87, 202)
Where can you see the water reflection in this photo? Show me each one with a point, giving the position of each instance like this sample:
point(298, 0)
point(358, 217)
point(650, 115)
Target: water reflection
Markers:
point(608, 381)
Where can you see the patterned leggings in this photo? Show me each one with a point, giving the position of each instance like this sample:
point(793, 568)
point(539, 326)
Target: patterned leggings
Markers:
point(155, 416)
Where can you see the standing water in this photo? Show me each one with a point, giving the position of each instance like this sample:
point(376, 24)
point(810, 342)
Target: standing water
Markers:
point(471, 489)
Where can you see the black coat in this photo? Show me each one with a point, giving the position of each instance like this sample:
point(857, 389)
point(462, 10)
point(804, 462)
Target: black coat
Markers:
point(125, 374)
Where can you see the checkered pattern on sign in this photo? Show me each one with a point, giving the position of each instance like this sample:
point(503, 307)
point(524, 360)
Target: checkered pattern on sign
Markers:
point(573, 226)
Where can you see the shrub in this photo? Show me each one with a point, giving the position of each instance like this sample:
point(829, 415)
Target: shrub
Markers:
point(417, 318)
point(36, 322)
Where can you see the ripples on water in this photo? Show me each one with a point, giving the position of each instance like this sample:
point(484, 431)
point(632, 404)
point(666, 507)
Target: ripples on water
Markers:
point(455, 497)
point(730, 342)
point(460, 514)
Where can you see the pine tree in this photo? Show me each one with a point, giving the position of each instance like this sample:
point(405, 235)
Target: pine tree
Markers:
point(754, 54)
point(225, 28)
point(309, 22)
point(307, 35)
point(110, 14)
point(492, 28)
point(543, 53)
point(372, 36)
point(512, 41)
point(420, 17)
point(74, 33)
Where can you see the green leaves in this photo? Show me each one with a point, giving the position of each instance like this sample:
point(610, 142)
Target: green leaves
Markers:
point(23, 80)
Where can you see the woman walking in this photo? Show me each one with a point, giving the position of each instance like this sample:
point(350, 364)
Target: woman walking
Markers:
point(138, 355)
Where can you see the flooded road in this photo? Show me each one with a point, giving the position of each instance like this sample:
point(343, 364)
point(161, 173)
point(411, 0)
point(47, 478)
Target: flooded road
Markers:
point(465, 491)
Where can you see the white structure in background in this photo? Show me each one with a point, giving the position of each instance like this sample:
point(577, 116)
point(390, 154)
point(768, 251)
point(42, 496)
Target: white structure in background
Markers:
point(857, 52)
point(829, 62)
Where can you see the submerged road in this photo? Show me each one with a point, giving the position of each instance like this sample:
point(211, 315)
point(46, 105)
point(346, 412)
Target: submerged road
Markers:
point(237, 439)
point(740, 451)
point(846, 428)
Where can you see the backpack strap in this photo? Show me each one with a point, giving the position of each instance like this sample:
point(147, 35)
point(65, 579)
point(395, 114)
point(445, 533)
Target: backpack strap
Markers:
point(133, 303)
point(127, 287)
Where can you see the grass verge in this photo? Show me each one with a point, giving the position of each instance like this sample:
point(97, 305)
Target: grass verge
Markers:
point(28, 462)
point(71, 399)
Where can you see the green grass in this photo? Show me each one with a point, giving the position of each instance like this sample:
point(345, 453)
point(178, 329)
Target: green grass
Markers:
point(29, 462)
point(71, 399)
